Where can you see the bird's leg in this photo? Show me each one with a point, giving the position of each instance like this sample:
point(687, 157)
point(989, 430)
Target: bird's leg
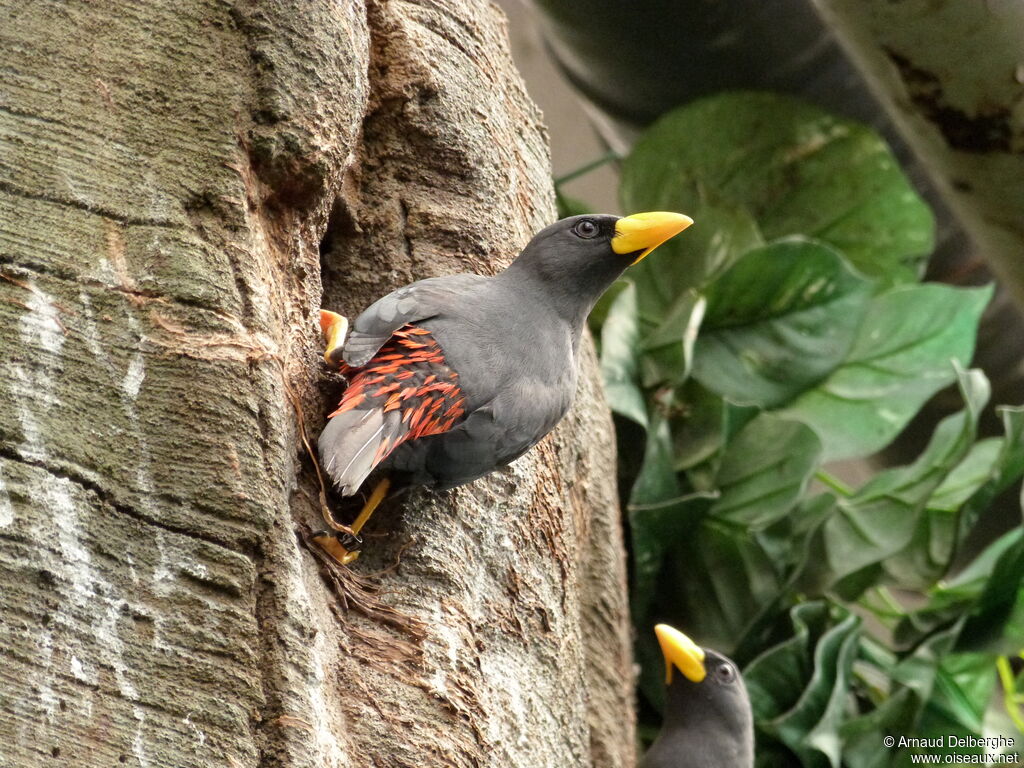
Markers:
point(344, 542)
point(371, 505)
point(334, 327)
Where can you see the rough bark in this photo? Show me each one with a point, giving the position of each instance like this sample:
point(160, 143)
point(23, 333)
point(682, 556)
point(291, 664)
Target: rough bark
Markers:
point(951, 75)
point(174, 179)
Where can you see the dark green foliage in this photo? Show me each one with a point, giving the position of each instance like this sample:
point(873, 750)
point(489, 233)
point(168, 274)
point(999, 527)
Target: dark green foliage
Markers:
point(788, 329)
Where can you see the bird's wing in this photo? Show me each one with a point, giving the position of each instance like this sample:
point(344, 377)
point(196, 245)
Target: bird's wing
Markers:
point(404, 392)
point(494, 435)
point(413, 303)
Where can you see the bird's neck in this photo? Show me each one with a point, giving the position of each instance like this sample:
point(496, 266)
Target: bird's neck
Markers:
point(569, 300)
point(727, 732)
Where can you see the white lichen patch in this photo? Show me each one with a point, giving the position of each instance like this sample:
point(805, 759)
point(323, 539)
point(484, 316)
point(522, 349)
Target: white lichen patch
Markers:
point(105, 272)
point(163, 577)
point(78, 561)
point(26, 388)
point(41, 326)
point(47, 696)
point(82, 672)
point(328, 745)
point(6, 508)
point(88, 593)
point(504, 685)
point(133, 377)
point(197, 732)
point(445, 640)
point(88, 328)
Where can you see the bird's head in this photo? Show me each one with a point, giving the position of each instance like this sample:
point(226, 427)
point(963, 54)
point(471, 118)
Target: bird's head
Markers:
point(705, 689)
point(585, 254)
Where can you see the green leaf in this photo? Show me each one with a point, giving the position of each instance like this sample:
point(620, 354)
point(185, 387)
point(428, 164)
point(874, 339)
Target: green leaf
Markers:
point(986, 471)
point(761, 486)
point(995, 618)
point(798, 688)
point(964, 686)
point(910, 685)
point(719, 579)
point(619, 363)
point(697, 426)
point(668, 349)
point(986, 591)
point(789, 167)
point(901, 357)
point(599, 313)
point(780, 320)
point(862, 735)
point(657, 482)
point(880, 519)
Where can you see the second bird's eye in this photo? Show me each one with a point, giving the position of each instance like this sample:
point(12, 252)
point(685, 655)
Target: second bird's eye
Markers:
point(585, 228)
point(726, 673)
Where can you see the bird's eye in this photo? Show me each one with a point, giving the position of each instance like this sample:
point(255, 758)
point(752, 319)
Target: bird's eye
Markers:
point(726, 673)
point(585, 228)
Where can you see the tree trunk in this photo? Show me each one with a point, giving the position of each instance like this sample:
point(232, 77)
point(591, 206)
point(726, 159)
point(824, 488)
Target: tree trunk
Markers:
point(176, 177)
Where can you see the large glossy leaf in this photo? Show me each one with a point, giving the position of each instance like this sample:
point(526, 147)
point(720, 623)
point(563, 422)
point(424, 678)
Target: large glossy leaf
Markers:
point(604, 304)
point(662, 521)
point(994, 622)
point(722, 580)
point(697, 428)
point(759, 486)
point(909, 683)
point(620, 341)
point(988, 469)
point(986, 591)
point(657, 482)
point(964, 686)
point(881, 518)
point(668, 349)
point(779, 321)
point(710, 578)
point(798, 688)
point(901, 357)
point(789, 167)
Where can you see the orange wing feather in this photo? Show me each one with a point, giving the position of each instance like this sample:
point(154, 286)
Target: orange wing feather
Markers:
point(408, 374)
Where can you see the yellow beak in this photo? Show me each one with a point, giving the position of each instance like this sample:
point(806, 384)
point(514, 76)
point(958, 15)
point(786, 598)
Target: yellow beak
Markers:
point(646, 231)
point(680, 651)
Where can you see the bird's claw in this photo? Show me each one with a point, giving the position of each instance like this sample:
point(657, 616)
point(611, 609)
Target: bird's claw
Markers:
point(343, 547)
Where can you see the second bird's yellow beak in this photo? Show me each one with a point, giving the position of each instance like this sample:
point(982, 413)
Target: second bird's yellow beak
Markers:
point(646, 231)
point(680, 651)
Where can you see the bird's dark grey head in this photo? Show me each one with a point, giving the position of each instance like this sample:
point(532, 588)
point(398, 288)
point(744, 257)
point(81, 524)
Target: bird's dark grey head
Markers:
point(573, 260)
point(708, 721)
point(719, 701)
point(576, 259)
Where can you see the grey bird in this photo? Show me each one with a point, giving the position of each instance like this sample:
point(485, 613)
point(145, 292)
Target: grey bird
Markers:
point(708, 722)
point(453, 377)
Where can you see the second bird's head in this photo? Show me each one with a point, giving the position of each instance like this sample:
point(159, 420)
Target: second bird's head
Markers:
point(587, 253)
point(705, 689)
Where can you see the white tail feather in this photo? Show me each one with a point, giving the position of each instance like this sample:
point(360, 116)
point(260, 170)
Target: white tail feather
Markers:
point(349, 444)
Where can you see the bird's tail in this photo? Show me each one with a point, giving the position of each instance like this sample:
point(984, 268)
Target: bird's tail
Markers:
point(355, 441)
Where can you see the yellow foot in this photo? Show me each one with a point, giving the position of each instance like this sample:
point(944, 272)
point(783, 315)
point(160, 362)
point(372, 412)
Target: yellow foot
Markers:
point(341, 546)
point(334, 328)
point(343, 542)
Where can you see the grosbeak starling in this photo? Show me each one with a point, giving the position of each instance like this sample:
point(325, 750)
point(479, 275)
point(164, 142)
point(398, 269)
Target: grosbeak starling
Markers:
point(708, 721)
point(453, 377)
